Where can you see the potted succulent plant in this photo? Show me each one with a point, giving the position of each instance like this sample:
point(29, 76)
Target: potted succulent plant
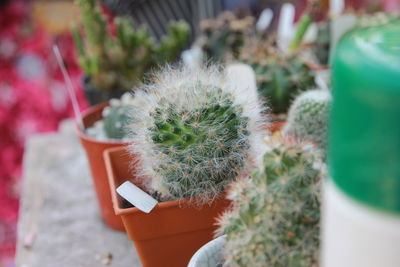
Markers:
point(115, 63)
point(275, 216)
point(280, 76)
point(193, 132)
point(104, 127)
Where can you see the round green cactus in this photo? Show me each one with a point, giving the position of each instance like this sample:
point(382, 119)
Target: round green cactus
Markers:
point(194, 133)
point(279, 77)
point(308, 117)
point(116, 117)
point(276, 213)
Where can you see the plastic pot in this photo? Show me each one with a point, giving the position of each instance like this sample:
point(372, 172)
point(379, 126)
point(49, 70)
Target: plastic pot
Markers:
point(209, 255)
point(94, 152)
point(173, 231)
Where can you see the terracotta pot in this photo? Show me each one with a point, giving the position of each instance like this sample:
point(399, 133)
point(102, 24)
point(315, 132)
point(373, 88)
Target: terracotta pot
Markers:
point(94, 151)
point(173, 231)
point(276, 126)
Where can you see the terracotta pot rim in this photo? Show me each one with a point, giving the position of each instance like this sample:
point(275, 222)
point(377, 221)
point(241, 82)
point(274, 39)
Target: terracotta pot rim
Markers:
point(82, 134)
point(133, 210)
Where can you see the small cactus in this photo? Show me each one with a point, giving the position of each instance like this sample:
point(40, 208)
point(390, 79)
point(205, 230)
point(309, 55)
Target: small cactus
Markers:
point(223, 37)
point(119, 61)
point(193, 133)
point(279, 77)
point(308, 117)
point(116, 117)
point(275, 216)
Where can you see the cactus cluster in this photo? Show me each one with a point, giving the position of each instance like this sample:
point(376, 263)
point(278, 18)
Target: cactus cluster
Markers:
point(275, 216)
point(308, 117)
point(194, 133)
point(279, 76)
point(223, 37)
point(119, 61)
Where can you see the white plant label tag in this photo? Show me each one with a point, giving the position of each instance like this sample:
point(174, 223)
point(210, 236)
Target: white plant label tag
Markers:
point(137, 197)
point(265, 20)
point(286, 26)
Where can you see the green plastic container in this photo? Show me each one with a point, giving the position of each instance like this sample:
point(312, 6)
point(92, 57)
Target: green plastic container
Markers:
point(364, 141)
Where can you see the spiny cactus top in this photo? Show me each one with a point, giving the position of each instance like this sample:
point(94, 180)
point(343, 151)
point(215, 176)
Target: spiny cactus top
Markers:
point(194, 132)
point(308, 117)
point(279, 77)
point(276, 213)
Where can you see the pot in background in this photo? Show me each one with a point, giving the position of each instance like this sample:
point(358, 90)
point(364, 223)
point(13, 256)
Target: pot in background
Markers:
point(94, 152)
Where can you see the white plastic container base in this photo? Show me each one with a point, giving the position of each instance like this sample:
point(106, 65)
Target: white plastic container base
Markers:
point(355, 235)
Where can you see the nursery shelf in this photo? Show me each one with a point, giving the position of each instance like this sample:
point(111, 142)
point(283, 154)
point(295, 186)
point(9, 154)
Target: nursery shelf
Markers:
point(59, 222)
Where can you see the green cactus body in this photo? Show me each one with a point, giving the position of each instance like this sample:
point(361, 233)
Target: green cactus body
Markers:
point(308, 117)
point(115, 121)
point(279, 77)
point(120, 61)
point(116, 117)
point(195, 136)
point(276, 213)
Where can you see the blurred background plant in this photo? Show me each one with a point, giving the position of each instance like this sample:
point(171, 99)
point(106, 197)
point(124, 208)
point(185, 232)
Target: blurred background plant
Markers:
point(116, 57)
point(280, 77)
point(222, 38)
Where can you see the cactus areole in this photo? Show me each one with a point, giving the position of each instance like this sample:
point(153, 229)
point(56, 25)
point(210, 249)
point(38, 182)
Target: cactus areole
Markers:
point(194, 133)
point(364, 129)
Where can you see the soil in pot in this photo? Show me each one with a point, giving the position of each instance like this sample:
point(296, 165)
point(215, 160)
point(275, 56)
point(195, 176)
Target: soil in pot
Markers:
point(173, 231)
point(94, 152)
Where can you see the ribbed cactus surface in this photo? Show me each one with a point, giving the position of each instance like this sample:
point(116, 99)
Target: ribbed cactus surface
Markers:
point(308, 117)
point(194, 133)
point(276, 212)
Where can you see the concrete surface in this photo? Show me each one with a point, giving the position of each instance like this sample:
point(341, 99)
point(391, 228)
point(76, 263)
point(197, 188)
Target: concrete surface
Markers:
point(59, 224)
